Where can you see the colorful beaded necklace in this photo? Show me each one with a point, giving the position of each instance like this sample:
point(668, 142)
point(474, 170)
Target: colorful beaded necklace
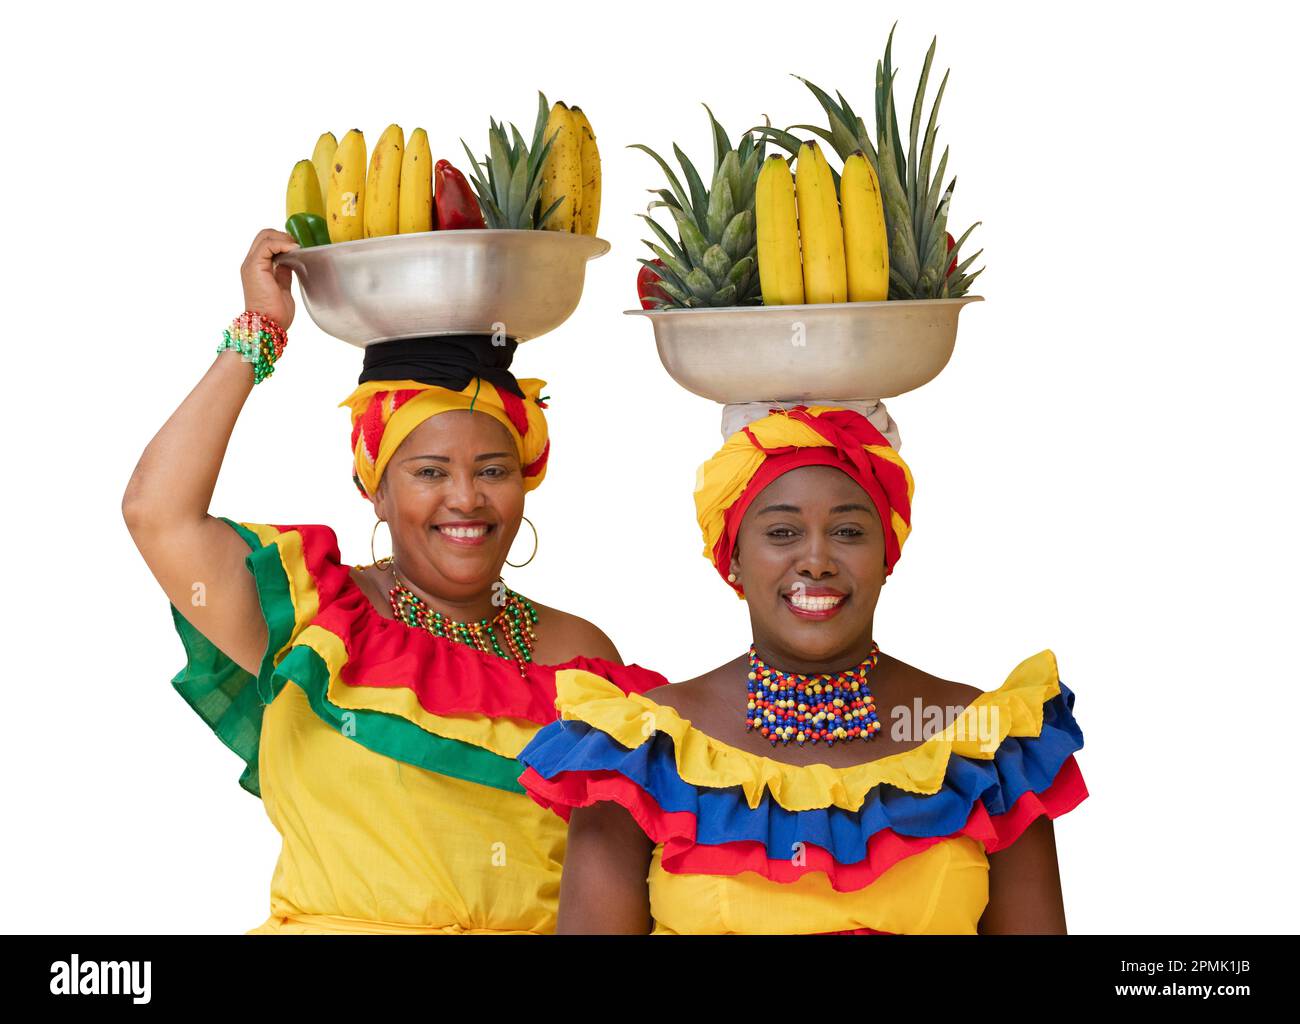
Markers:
point(517, 620)
point(834, 707)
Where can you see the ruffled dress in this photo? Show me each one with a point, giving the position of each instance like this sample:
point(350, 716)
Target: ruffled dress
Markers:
point(745, 844)
point(384, 756)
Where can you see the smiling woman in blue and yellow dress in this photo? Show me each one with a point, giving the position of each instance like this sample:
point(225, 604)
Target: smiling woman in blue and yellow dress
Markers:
point(765, 796)
point(378, 709)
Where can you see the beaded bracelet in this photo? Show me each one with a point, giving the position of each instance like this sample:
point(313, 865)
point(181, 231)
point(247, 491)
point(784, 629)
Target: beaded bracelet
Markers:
point(258, 339)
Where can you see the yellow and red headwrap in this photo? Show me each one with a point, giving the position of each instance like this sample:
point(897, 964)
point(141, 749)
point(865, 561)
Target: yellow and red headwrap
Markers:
point(819, 435)
point(384, 412)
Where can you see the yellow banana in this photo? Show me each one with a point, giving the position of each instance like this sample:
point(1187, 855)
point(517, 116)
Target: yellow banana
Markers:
point(345, 198)
point(822, 236)
point(589, 212)
point(303, 194)
point(382, 182)
point(866, 250)
point(562, 172)
point(779, 268)
point(321, 157)
point(415, 193)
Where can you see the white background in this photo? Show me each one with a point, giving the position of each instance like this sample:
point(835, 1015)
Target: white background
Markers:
point(1105, 468)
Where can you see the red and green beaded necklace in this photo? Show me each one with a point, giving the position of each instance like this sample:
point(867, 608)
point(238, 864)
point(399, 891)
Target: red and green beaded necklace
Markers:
point(516, 620)
point(832, 707)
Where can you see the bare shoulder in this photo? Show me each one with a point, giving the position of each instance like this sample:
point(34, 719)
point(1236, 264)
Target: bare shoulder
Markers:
point(931, 689)
point(677, 696)
point(691, 696)
point(563, 636)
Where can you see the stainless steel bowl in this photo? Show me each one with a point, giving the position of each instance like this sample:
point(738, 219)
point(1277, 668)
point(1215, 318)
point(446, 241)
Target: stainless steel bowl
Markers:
point(845, 350)
point(522, 283)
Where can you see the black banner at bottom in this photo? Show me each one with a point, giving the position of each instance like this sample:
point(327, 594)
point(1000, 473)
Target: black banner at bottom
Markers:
point(767, 975)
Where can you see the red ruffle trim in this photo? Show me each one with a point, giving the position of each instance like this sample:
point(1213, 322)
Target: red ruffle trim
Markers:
point(683, 855)
point(447, 678)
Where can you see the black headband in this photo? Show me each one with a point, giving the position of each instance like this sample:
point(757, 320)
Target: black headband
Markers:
point(448, 361)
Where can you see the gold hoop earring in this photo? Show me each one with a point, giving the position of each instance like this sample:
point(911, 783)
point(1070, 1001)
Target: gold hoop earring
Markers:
point(534, 554)
point(376, 562)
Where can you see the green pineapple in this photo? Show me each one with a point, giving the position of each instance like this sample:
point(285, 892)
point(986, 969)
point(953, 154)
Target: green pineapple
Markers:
point(714, 260)
point(510, 181)
point(916, 211)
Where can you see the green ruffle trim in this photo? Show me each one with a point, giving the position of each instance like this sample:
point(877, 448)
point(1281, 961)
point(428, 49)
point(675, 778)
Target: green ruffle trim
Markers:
point(231, 700)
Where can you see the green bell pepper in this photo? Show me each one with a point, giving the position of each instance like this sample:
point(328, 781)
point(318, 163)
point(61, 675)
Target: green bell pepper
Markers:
point(308, 229)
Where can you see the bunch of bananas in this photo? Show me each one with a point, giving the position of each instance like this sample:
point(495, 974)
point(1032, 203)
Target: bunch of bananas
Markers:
point(393, 195)
point(339, 196)
point(814, 245)
point(571, 172)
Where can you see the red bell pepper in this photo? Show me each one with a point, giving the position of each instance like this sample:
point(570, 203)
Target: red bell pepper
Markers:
point(454, 200)
point(647, 289)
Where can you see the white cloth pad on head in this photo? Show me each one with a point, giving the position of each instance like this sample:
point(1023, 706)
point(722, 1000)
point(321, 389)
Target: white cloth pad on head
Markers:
point(742, 414)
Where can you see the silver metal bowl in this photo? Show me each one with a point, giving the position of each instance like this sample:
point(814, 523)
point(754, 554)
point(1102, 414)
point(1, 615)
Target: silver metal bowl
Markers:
point(521, 283)
point(845, 350)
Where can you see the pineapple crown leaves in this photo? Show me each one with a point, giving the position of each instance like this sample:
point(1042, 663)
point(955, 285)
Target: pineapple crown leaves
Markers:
point(916, 211)
point(509, 181)
point(783, 137)
point(713, 259)
point(791, 143)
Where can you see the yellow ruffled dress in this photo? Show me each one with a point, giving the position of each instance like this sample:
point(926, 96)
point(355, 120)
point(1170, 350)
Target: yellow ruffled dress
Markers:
point(384, 756)
point(745, 844)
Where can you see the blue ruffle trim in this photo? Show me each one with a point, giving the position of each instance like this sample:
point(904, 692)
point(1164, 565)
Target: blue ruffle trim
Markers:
point(723, 815)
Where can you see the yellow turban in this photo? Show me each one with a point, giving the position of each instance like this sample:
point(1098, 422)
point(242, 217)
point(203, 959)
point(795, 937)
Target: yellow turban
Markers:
point(384, 412)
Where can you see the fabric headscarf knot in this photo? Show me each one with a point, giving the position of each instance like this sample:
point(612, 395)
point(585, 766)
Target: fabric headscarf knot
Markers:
point(788, 439)
point(446, 374)
point(739, 414)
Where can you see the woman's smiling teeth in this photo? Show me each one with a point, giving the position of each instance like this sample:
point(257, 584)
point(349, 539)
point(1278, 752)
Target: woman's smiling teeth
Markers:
point(808, 603)
point(463, 532)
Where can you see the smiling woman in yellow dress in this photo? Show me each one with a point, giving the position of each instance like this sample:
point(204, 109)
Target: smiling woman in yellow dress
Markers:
point(766, 795)
point(378, 710)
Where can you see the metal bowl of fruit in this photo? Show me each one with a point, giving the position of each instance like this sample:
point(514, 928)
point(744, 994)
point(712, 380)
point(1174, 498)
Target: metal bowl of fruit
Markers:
point(477, 281)
point(845, 350)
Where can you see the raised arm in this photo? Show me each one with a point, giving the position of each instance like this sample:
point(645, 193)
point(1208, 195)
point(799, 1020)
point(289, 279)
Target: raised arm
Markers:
point(604, 890)
point(197, 559)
